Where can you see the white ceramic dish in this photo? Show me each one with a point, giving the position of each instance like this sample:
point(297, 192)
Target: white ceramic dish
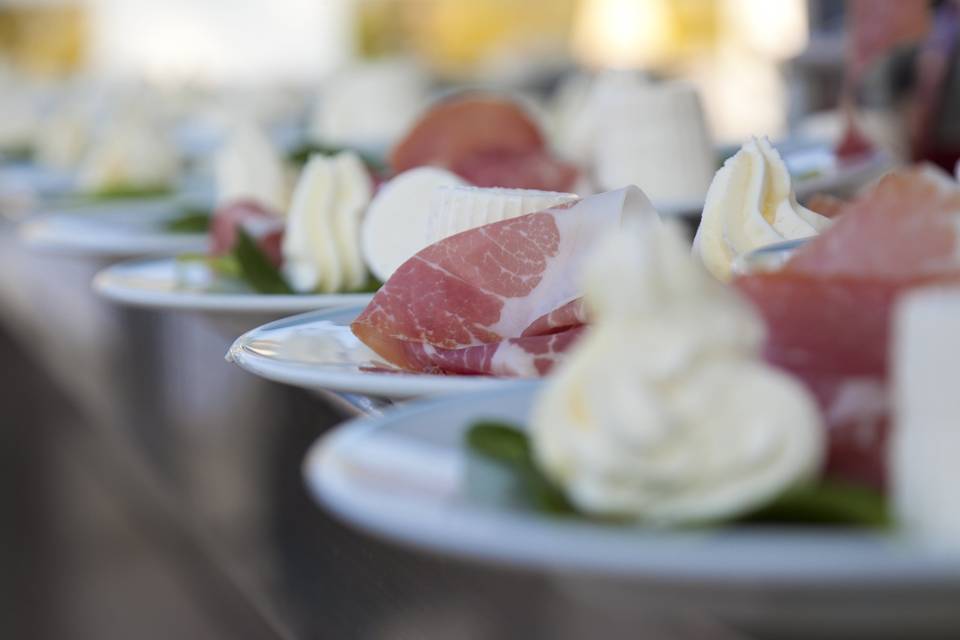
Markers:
point(166, 283)
point(317, 351)
point(110, 230)
point(829, 176)
point(404, 476)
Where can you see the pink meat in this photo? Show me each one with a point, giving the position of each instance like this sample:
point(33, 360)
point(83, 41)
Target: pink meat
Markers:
point(902, 227)
point(573, 314)
point(535, 169)
point(261, 224)
point(527, 356)
point(829, 310)
point(500, 299)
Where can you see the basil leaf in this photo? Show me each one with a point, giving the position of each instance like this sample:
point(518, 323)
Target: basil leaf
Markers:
point(17, 153)
point(499, 441)
point(190, 221)
point(255, 269)
point(510, 447)
point(129, 193)
point(225, 265)
point(826, 503)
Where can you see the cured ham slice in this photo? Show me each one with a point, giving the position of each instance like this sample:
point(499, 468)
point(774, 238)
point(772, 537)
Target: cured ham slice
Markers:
point(524, 357)
point(825, 205)
point(829, 310)
point(260, 223)
point(526, 170)
point(903, 227)
point(486, 140)
point(461, 127)
point(499, 299)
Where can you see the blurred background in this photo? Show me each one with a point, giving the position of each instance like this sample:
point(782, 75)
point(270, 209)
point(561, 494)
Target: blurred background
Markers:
point(153, 490)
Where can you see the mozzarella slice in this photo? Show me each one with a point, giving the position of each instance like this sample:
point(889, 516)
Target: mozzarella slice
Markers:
point(354, 190)
point(321, 245)
point(395, 227)
point(309, 248)
point(456, 209)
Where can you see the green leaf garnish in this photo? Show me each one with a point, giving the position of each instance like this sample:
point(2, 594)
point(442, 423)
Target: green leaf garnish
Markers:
point(826, 503)
point(299, 155)
point(255, 269)
point(192, 220)
point(129, 193)
point(225, 265)
point(510, 447)
point(17, 153)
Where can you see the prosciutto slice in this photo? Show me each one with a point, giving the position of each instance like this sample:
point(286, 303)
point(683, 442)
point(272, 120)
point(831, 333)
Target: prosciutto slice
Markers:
point(829, 311)
point(488, 141)
point(264, 226)
point(501, 299)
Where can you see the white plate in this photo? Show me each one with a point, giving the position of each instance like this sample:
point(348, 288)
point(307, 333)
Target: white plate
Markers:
point(835, 178)
point(117, 229)
point(403, 476)
point(317, 351)
point(166, 283)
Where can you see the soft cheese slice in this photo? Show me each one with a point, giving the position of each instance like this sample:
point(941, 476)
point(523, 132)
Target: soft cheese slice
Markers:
point(456, 209)
point(354, 191)
point(926, 434)
point(320, 245)
point(394, 228)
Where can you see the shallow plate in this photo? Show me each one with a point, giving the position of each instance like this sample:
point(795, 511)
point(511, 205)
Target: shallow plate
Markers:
point(404, 476)
point(830, 176)
point(317, 351)
point(166, 283)
point(117, 229)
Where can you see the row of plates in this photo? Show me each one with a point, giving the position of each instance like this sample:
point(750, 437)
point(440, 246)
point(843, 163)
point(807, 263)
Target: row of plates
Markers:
point(405, 474)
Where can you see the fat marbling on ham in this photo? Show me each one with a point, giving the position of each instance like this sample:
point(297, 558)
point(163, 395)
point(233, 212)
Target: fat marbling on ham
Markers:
point(501, 299)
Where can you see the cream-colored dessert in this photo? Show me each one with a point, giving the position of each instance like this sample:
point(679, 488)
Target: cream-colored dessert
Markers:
point(656, 138)
point(751, 203)
point(924, 440)
point(133, 154)
point(321, 245)
point(249, 167)
point(630, 130)
point(456, 209)
point(369, 106)
point(664, 410)
point(395, 227)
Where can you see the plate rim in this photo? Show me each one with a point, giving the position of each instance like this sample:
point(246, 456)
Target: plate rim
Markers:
point(40, 231)
point(465, 533)
point(105, 283)
point(382, 385)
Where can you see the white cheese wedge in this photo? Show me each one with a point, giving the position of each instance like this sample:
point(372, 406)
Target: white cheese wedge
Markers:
point(456, 209)
point(395, 227)
point(926, 431)
point(320, 246)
